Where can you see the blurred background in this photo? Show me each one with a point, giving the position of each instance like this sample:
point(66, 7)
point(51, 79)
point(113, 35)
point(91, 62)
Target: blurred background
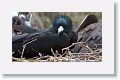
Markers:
point(44, 19)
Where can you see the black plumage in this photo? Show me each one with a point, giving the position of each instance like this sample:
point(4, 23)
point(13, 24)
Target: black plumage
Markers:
point(15, 21)
point(41, 43)
point(59, 36)
point(66, 22)
point(90, 32)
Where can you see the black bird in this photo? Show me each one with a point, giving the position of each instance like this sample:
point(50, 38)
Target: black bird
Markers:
point(90, 32)
point(15, 21)
point(21, 22)
point(59, 36)
point(66, 23)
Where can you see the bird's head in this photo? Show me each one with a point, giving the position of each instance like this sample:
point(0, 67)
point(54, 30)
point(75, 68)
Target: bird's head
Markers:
point(21, 18)
point(62, 23)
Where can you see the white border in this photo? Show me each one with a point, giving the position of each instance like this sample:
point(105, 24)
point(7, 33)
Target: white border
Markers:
point(104, 67)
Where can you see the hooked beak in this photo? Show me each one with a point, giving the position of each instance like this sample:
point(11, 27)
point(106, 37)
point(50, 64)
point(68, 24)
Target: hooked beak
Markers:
point(60, 29)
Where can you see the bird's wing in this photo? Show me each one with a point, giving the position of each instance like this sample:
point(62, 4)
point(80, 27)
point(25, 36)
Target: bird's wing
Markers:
point(92, 34)
point(33, 37)
point(89, 19)
point(26, 29)
point(19, 37)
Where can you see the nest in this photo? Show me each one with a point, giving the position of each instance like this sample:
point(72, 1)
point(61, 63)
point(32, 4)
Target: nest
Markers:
point(87, 54)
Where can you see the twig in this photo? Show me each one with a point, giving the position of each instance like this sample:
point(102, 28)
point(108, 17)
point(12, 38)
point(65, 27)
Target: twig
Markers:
point(89, 49)
point(37, 52)
point(19, 51)
point(30, 41)
point(24, 46)
point(81, 45)
point(53, 52)
point(56, 51)
point(73, 44)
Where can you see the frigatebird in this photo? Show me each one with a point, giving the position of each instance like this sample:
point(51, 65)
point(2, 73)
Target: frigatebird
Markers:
point(61, 35)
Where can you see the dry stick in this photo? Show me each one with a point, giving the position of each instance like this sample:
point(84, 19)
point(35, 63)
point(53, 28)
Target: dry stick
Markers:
point(68, 48)
point(82, 54)
point(81, 44)
point(73, 44)
point(24, 46)
point(89, 49)
point(98, 50)
point(30, 41)
point(19, 51)
point(37, 52)
point(56, 51)
point(13, 58)
point(53, 52)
